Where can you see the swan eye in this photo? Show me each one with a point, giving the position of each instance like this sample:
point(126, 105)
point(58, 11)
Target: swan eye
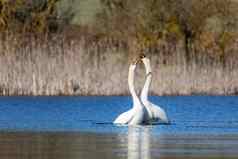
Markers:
point(142, 56)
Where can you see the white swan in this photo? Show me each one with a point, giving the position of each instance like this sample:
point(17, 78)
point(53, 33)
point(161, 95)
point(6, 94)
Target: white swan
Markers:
point(136, 115)
point(155, 113)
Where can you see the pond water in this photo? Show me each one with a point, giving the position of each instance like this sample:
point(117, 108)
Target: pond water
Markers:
point(81, 127)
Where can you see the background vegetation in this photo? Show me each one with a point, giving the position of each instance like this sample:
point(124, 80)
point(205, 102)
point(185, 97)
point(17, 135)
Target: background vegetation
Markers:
point(45, 50)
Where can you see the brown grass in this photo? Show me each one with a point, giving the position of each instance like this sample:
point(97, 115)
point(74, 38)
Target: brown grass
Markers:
point(56, 66)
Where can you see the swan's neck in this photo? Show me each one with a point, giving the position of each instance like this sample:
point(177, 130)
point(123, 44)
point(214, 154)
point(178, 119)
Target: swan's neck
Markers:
point(145, 90)
point(136, 101)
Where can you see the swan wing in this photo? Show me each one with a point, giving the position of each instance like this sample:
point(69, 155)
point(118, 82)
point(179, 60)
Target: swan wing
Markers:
point(158, 113)
point(124, 118)
point(138, 117)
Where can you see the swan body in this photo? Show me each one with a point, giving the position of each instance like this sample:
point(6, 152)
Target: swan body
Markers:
point(154, 112)
point(136, 115)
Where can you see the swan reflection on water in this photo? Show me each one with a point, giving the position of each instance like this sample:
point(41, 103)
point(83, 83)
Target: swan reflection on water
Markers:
point(139, 143)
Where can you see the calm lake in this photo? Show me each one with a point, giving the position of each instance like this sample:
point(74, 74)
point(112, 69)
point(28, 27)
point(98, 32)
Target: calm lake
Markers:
point(81, 127)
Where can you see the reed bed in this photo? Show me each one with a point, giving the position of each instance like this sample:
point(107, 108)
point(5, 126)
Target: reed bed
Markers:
point(57, 66)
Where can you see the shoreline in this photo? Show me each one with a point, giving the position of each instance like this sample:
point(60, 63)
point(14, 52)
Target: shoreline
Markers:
point(127, 95)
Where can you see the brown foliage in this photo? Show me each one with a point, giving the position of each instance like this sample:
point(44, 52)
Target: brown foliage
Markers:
point(28, 16)
point(147, 23)
point(8, 9)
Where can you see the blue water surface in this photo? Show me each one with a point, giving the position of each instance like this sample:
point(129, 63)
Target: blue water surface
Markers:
point(188, 114)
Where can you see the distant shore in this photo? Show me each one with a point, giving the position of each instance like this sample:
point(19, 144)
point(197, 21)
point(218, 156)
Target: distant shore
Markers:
point(61, 47)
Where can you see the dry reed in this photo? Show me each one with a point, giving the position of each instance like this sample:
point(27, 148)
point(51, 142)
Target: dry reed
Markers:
point(79, 67)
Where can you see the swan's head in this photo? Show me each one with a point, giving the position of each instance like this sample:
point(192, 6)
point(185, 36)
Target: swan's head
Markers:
point(144, 59)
